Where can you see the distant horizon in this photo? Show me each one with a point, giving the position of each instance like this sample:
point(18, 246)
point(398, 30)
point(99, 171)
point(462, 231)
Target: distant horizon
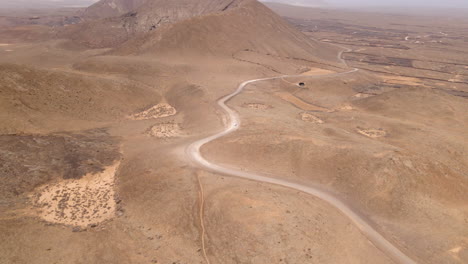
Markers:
point(40, 4)
point(369, 3)
point(428, 4)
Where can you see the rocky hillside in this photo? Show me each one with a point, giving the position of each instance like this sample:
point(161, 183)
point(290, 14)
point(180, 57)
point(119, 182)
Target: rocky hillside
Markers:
point(219, 27)
point(111, 8)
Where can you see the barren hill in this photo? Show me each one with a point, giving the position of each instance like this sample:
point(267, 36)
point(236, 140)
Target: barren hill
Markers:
point(193, 27)
point(36, 97)
point(111, 8)
point(120, 20)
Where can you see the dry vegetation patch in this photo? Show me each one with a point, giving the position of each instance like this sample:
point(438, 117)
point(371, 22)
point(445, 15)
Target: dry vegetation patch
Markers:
point(372, 133)
point(362, 95)
point(401, 80)
point(29, 161)
point(299, 102)
point(307, 117)
point(165, 130)
point(317, 71)
point(38, 95)
point(79, 202)
point(257, 106)
point(157, 111)
point(346, 107)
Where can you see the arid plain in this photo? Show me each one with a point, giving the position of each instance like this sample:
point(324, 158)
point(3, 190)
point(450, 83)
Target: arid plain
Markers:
point(99, 107)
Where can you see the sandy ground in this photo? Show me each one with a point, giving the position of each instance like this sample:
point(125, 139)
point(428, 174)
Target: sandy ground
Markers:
point(299, 103)
point(403, 80)
point(380, 144)
point(317, 71)
point(257, 106)
point(398, 154)
point(87, 201)
point(6, 45)
point(308, 117)
point(274, 229)
point(372, 133)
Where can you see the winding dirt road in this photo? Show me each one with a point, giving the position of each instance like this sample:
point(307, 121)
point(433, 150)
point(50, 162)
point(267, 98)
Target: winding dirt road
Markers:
point(193, 151)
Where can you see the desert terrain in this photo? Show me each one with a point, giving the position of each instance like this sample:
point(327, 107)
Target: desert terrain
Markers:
point(223, 131)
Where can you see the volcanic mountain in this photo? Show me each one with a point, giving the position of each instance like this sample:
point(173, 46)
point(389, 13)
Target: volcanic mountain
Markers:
point(217, 27)
point(111, 8)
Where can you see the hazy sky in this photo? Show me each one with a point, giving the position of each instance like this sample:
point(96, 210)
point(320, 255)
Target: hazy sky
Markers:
point(370, 3)
point(451, 3)
point(20, 4)
point(424, 3)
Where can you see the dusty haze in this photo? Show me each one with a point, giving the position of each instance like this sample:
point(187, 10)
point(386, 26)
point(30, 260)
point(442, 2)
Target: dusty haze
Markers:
point(347, 3)
point(18, 4)
point(340, 3)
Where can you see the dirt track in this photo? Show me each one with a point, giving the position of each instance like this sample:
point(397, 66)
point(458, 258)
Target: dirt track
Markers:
point(193, 151)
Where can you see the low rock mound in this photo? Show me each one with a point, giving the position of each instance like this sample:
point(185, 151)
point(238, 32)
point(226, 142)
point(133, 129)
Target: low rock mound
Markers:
point(165, 130)
point(372, 133)
point(307, 117)
point(157, 111)
point(257, 106)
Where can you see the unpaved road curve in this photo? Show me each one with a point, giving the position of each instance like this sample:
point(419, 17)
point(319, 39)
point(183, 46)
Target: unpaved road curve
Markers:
point(193, 151)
